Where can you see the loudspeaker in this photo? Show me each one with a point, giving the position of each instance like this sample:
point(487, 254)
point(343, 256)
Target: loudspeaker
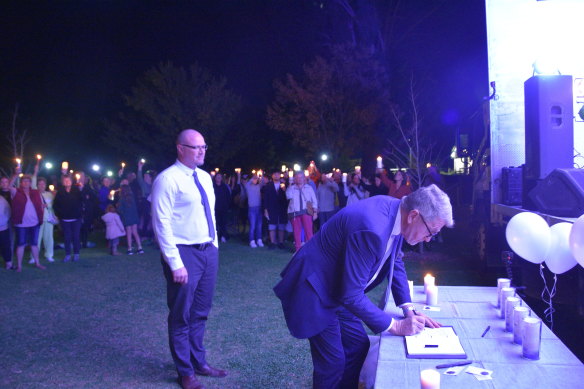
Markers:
point(549, 125)
point(561, 193)
point(512, 185)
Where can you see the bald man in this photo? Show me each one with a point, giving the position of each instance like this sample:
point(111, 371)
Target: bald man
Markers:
point(184, 223)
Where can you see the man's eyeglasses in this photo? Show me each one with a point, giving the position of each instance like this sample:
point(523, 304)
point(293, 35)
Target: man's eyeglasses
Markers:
point(430, 233)
point(198, 148)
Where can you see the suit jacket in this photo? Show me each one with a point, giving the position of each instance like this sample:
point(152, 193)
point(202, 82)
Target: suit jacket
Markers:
point(276, 203)
point(333, 268)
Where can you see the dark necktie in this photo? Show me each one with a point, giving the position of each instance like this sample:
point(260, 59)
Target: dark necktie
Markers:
point(205, 202)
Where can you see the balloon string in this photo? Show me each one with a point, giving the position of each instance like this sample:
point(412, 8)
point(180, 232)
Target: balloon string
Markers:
point(549, 311)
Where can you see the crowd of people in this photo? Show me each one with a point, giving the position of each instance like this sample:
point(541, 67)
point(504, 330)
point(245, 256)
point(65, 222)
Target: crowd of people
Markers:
point(280, 205)
point(31, 206)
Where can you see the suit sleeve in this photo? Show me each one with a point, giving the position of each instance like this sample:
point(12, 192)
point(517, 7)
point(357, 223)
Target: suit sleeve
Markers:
point(399, 286)
point(362, 250)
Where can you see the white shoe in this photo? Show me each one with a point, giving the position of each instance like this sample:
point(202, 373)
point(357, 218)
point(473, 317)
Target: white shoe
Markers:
point(31, 261)
point(260, 243)
point(252, 244)
point(50, 260)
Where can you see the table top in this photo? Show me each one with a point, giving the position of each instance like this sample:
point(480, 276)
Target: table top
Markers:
point(470, 310)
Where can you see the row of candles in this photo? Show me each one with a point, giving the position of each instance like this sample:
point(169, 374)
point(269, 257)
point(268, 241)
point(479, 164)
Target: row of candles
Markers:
point(290, 172)
point(65, 165)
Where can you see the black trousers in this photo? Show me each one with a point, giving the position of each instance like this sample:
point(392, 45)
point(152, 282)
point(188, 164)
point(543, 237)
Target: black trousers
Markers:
point(189, 305)
point(338, 353)
point(6, 245)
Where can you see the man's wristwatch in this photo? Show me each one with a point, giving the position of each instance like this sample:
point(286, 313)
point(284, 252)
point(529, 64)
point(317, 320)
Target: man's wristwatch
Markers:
point(410, 307)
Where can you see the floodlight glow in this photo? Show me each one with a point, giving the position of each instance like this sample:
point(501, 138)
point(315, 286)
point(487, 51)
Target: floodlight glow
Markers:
point(95, 167)
point(109, 173)
point(48, 165)
point(324, 157)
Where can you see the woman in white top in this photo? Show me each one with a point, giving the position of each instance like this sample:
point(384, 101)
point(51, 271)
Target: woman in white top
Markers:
point(299, 196)
point(354, 190)
point(49, 220)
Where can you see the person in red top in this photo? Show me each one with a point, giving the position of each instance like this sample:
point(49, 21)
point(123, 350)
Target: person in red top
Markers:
point(398, 187)
point(27, 215)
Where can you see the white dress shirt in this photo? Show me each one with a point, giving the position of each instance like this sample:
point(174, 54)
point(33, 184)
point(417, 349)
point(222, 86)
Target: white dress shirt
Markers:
point(178, 216)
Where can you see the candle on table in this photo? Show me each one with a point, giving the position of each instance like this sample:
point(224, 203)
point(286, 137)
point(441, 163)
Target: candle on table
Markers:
point(531, 337)
point(428, 280)
point(379, 162)
point(510, 303)
point(505, 292)
point(501, 283)
point(429, 379)
point(432, 295)
point(411, 286)
point(519, 313)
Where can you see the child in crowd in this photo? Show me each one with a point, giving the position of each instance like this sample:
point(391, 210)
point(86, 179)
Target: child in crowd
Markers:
point(113, 228)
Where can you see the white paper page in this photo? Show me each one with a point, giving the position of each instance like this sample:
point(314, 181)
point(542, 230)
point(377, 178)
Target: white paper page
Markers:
point(444, 338)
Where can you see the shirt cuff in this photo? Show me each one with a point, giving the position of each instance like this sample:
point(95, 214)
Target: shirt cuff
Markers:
point(390, 324)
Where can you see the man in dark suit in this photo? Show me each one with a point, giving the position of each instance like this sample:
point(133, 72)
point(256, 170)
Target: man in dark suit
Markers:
point(323, 287)
point(275, 209)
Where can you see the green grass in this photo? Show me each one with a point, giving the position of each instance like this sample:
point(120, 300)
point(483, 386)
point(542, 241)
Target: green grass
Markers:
point(101, 322)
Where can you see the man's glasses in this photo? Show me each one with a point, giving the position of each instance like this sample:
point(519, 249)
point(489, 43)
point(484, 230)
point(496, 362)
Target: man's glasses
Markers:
point(198, 148)
point(430, 234)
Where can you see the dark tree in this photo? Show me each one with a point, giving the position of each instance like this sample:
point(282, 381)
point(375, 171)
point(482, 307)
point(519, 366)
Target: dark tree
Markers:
point(168, 99)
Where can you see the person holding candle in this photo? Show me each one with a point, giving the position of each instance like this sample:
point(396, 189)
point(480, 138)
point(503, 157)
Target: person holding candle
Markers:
point(5, 239)
point(68, 207)
point(129, 214)
point(325, 194)
point(398, 187)
point(299, 195)
point(354, 189)
point(275, 207)
point(27, 216)
point(254, 213)
point(89, 208)
point(47, 226)
point(374, 186)
point(240, 201)
point(323, 287)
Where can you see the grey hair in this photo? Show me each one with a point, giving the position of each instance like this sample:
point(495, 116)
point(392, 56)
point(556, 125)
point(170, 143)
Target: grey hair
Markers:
point(431, 202)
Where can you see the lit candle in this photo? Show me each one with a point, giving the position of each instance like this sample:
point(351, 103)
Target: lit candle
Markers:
point(519, 313)
point(18, 161)
point(142, 160)
point(77, 177)
point(510, 303)
point(283, 168)
point(52, 188)
point(357, 169)
point(501, 283)
point(432, 295)
point(253, 172)
point(306, 174)
point(112, 194)
point(505, 292)
point(212, 173)
point(65, 165)
point(344, 177)
point(260, 173)
point(531, 337)
point(237, 170)
point(217, 169)
point(379, 162)
point(338, 170)
point(71, 171)
point(123, 165)
point(39, 157)
point(428, 280)
point(429, 379)
point(411, 286)
point(290, 176)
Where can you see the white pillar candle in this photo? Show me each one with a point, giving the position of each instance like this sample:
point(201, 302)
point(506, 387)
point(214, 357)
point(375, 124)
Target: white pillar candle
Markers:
point(65, 165)
point(344, 177)
point(379, 162)
point(429, 379)
point(519, 313)
point(501, 283)
point(505, 292)
point(411, 286)
point(432, 295)
point(531, 337)
point(510, 303)
point(428, 280)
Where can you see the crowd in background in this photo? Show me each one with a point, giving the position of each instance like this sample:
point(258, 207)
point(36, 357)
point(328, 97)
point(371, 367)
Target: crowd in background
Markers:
point(278, 206)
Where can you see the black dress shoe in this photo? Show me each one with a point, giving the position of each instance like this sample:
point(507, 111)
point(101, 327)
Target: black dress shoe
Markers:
point(190, 382)
point(210, 371)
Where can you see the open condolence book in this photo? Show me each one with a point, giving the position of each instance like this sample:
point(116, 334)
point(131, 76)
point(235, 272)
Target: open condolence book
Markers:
point(435, 343)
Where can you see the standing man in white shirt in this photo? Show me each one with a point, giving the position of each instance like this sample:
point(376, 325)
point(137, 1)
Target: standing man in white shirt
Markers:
point(184, 223)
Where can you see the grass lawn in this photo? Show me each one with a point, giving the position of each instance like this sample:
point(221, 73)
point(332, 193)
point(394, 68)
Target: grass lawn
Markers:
point(101, 322)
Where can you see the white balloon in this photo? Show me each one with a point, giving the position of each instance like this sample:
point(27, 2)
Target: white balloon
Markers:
point(560, 258)
point(529, 236)
point(577, 240)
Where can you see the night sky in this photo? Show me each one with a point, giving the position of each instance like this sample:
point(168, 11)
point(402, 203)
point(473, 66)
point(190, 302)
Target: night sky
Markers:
point(68, 63)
